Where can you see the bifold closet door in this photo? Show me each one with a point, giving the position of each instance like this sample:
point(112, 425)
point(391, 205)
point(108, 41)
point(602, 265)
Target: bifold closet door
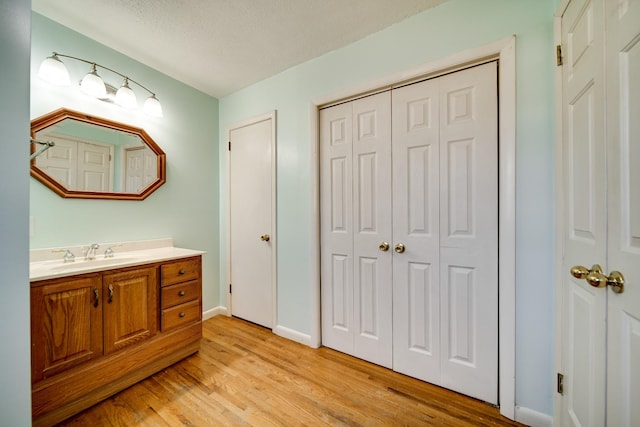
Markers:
point(355, 140)
point(445, 199)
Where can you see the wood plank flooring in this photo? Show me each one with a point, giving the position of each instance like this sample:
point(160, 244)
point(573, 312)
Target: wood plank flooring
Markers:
point(244, 375)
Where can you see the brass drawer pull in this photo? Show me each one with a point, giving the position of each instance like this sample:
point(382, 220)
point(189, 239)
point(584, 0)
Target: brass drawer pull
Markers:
point(182, 271)
point(181, 314)
point(182, 293)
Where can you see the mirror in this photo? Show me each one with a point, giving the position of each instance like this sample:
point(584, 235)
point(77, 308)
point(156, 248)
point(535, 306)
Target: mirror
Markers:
point(95, 158)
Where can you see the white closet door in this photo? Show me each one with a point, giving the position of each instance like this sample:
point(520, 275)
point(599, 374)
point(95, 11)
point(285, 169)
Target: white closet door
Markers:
point(336, 216)
point(623, 155)
point(469, 231)
point(372, 281)
point(446, 215)
point(355, 160)
point(416, 276)
point(584, 240)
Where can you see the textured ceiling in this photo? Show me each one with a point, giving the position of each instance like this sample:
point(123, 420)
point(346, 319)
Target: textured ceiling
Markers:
point(220, 46)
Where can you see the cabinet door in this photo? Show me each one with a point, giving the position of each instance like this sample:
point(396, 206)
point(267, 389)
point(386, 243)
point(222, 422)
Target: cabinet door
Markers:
point(66, 325)
point(130, 307)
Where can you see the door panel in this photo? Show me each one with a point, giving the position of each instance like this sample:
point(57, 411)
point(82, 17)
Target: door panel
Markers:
point(469, 231)
point(416, 274)
point(584, 240)
point(336, 216)
point(251, 195)
point(372, 224)
point(623, 156)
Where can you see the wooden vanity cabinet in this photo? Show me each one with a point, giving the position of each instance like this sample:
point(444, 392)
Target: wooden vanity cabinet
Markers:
point(95, 334)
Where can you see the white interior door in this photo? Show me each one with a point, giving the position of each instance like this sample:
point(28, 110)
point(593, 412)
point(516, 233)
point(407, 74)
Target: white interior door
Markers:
point(251, 218)
point(584, 241)
point(601, 327)
point(623, 156)
point(416, 213)
point(61, 162)
point(446, 215)
point(356, 218)
point(141, 168)
point(372, 202)
point(94, 167)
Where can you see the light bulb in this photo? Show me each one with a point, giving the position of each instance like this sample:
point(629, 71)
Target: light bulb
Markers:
point(93, 85)
point(125, 97)
point(52, 70)
point(152, 106)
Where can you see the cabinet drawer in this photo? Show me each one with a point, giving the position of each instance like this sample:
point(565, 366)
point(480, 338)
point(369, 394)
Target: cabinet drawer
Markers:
point(180, 315)
point(182, 292)
point(180, 271)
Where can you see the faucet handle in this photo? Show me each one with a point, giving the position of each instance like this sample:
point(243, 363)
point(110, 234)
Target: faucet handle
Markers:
point(108, 253)
point(68, 255)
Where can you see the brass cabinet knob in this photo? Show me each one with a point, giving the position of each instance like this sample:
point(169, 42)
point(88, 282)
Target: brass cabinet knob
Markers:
point(383, 246)
point(265, 237)
point(399, 248)
point(596, 278)
point(181, 293)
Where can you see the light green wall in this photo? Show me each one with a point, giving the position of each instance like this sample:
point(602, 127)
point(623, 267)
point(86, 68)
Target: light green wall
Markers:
point(15, 367)
point(452, 27)
point(185, 208)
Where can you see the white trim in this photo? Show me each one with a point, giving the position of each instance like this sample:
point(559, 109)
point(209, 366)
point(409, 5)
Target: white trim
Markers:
point(314, 241)
point(559, 216)
point(533, 418)
point(293, 335)
point(274, 238)
point(215, 311)
point(504, 51)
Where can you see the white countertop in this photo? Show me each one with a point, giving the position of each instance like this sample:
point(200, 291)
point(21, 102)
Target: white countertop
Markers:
point(53, 268)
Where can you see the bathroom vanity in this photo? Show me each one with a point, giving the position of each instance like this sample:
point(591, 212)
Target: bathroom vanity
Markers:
point(100, 326)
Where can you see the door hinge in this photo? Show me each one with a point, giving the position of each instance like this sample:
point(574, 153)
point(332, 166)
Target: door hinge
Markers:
point(229, 287)
point(229, 145)
point(560, 383)
point(559, 55)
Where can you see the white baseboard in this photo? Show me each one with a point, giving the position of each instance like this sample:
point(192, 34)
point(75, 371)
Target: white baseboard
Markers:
point(293, 335)
point(533, 418)
point(215, 311)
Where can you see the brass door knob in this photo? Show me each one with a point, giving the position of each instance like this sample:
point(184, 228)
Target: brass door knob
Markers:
point(597, 279)
point(399, 248)
point(265, 237)
point(383, 246)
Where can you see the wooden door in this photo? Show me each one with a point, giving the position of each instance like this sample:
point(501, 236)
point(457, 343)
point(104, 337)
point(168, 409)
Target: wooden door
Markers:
point(623, 201)
point(584, 210)
point(66, 325)
point(130, 306)
point(355, 162)
point(445, 202)
point(251, 218)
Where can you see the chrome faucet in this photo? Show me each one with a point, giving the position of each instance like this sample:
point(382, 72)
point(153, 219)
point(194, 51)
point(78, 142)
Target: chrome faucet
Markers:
point(90, 252)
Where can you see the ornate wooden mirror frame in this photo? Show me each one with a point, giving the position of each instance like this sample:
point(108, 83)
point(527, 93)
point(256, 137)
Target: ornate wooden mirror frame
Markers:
point(52, 120)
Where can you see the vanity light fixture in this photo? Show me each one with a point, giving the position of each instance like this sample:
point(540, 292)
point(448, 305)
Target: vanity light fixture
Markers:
point(53, 71)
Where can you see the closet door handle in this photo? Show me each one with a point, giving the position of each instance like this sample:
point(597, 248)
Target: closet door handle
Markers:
point(383, 246)
point(399, 248)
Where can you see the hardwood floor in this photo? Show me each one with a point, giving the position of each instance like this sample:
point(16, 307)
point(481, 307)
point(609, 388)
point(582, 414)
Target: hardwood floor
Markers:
point(244, 375)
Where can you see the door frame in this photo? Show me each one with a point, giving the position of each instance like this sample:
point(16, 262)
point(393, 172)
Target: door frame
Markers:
point(274, 235)
point(503, 50)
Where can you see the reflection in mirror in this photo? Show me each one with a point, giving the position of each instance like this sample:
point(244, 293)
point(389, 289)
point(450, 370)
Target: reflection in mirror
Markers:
point(96, 158)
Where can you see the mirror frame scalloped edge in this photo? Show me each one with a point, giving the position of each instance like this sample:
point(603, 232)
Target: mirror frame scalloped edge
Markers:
point(58, 115)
